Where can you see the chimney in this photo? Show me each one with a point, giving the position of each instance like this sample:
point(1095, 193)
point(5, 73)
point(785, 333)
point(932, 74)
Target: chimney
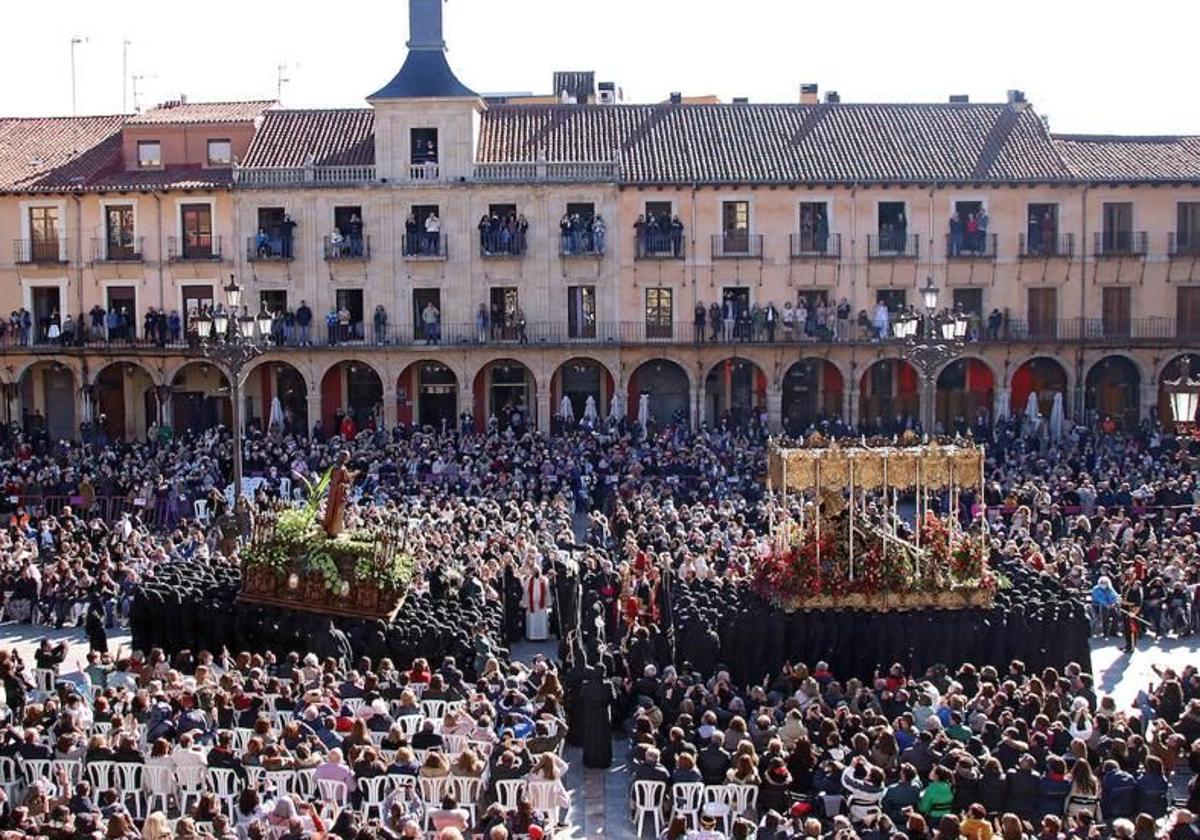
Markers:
point(425, 25)
point(741, 100)
point(1016, 98)
point(808, 94)
point(959, 99)
point(676, 98)
point(833, 97)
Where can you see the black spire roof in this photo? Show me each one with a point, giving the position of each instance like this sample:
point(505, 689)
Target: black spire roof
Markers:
point(426, 73)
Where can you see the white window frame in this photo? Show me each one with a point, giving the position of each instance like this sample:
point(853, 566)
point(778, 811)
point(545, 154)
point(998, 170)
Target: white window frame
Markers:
point(105, 203)
point(212, 205)
point(27, 236)
point(136, 315)
point(138, 150)
point(208, 161)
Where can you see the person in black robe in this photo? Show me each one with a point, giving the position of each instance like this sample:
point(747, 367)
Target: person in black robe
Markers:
point(596, 696)
point(94, 625)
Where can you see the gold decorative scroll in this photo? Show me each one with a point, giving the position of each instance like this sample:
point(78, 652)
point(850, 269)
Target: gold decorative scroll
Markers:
point(935, 465)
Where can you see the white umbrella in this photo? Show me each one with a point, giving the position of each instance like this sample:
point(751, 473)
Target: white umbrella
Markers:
point(616, 408)
point(566, 411)
point(589, 410)
point(276, 421)
point(1056, 417)
point(1003, 405)
point(1032, 412)
point(644, 410)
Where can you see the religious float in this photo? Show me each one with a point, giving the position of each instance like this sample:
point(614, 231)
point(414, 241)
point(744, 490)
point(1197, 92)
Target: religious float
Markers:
point(838, 540)
point(304, 562)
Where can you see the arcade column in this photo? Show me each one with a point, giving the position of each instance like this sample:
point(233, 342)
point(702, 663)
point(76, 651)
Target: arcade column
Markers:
point(850, 406)
point(314, 410)
point(544, 409)
point(389, 405)
point(775, 408)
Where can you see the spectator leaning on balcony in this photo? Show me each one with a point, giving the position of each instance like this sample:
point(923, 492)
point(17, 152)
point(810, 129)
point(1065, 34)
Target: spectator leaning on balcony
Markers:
point(599, 229)
point(286, 228)
point(431, 321)
point(412, 235)
point(433, 234)
point(304, 323)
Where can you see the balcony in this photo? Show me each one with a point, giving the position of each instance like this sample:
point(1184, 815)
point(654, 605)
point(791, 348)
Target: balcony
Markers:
point(302, 176)
point(737, 245)
point(892, 246)
point(562, 172)
point(42, 251)
point(347, 249)
point(196, 247)
point(980, 246)
point(502, 244)
point(1047, 247)
point(425, 246)
point(581, 244)
point(104, 251)
point(1183, 245)
point(1120, 243)
point(428, 170)
point(269, 249)
point(659, 245)
point(808, 246)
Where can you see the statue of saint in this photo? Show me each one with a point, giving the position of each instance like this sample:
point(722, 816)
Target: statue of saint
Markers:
point(340, 479)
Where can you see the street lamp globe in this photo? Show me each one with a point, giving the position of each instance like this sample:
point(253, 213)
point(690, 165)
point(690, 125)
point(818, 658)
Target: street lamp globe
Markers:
point(929, 295)
point(203, 324)
point(1183, 394)
point(233, 294)
point(221, 322)
point(264, 323)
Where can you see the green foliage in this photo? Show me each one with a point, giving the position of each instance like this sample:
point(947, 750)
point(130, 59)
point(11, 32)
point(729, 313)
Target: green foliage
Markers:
point(394, 574)
point(270, 555)
point(319, 562)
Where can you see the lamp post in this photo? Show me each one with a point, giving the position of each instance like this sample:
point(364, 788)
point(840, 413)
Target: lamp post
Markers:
point(1183, 395)
point(938, 342)
point(230, 342)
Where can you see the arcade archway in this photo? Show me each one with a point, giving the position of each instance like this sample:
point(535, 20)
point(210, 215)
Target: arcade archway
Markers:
point(427, 395)
point(812, 392)
point(889, 396)
point(125, 401)
point(666, 385)
point(351, 389)
point(271, 381)
point(577, 380)
point(736, 388)
point(1113, 390)
point(47, 400)
point(507, 390)
point(200, 398)
point(1042, 376)
point(966, 391)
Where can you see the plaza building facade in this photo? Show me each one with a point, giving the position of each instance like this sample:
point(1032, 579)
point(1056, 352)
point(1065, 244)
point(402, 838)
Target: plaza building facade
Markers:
point(462, 253)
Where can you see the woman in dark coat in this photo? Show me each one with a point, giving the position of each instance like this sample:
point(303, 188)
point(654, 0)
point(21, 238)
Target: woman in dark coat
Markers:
point(596, 696)
point(94, 625)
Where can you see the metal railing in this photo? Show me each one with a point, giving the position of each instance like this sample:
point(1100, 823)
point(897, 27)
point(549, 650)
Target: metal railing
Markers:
point(425, 246)
point(347, 248)
point(814, 246)
point(42, 251)
point(659, 245)
point(1045, 247)
point(971, 246)
point(424, 171)
point(269, 249)
point(1119, 243)
point(117, 252)
point(1185, 244)
point(502, 244)
point(194, 248)
point(581, 243)
point(893, 246)
point(1098, 331)
point(284, 176)
point(737, 245)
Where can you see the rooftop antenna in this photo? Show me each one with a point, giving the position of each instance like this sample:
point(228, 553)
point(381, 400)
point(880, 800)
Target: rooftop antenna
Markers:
point(280, 81)
point(77, 39)
point(137, 108)
point(125, 45)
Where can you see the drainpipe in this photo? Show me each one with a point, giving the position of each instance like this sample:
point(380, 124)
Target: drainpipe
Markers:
point(78, 251)
point(1080, 401)
point(158, 234)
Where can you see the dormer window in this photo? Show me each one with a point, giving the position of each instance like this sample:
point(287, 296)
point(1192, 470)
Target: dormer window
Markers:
point(220, 153)
point(149, 154)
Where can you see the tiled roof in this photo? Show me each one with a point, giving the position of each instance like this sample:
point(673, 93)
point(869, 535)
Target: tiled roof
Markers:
point(203, 112)
point(781, 143)
point(579, 84)
point(57, 152)
point(327, 137)
point(168, 178)
point(1109, 158)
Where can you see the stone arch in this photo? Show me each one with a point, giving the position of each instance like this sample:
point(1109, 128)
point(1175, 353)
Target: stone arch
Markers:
point(579, 378)
point(268, 379)
point(668, 386)
point(889, 395)
point(506, 388)
point(736, 387)
point(1112, 389)
point(351, 387)
point(199, 396)
point(427, 394)
point(123, 399)
point(1043, 375)
point(46, 398)
point(813, 388)
point(964, 389)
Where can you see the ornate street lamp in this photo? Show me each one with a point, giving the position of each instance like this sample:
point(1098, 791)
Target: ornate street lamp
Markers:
point(1183, 395)
point(233, 350)
point(938, 343)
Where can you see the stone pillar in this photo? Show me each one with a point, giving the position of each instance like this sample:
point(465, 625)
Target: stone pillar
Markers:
point(1149, 404)
point(1002, 394)
point(775, 408)
point(850, 402)
point(314, 411)
point(698, 405)
point(389, 405)
point(544, 409)
point(928, 414)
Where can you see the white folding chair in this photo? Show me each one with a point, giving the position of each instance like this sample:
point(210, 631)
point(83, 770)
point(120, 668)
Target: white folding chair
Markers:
point(102, 728)
point(648, 798)
point(285, 488)
point(130, 779)
point(410, 725)
point(508, 793)
point(227, 787)
point(255, 775)
point(200, 508)
point(716, 802)
point(433, 788)
point(44, 679)
point(374, 792)
point(455, 706)
point(686, 800)
point(305, 784)
point(544, 799)
point(36, 769)
point(100, 774)
point(159, 781)
point(454, 744)
point(241, 737)
point(11, 778)
point(334, 797)
point(742, 798)
point(283, 781)
point(72, 767)
point(354, 704)
point(434, 708)
point(469, 789)
point(377, 738)
point(283, 717)
point(189, 785)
